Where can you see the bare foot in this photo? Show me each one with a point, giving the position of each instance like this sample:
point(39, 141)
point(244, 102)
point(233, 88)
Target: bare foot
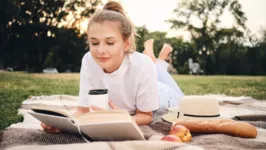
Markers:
point(169, 59)
point(148, 45)
point(165, 51)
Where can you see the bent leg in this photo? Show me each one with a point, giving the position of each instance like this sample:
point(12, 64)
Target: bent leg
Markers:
point(165, 77)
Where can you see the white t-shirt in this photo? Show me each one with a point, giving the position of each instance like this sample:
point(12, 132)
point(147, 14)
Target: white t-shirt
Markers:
point(133, 85)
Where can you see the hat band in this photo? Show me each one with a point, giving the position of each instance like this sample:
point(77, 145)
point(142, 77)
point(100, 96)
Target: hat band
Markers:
point(202, 116)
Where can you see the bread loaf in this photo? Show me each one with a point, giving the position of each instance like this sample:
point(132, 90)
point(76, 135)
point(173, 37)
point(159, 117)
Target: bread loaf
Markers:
point(226, 126)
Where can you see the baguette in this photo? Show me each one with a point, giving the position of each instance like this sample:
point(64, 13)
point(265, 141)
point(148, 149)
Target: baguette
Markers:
point(226, 126)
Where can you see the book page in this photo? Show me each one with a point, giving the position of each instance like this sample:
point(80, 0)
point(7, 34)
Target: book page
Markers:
point(111, 125)
point(105, 116)
point(50, 109)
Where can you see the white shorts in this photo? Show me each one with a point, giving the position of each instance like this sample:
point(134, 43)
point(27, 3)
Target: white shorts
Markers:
point(168, 97)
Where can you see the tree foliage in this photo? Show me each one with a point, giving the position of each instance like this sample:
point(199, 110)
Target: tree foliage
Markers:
point(202, 19)
point(38, 33)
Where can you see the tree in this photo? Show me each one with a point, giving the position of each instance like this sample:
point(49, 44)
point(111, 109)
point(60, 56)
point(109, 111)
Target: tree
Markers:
point(207, 36)
point(142, 33)
point(34, 28)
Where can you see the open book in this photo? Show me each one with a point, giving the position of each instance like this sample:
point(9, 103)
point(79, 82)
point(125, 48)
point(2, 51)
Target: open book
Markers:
point(110, 125)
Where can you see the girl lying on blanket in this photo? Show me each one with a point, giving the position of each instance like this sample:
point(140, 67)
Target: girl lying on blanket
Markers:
point(136, 82)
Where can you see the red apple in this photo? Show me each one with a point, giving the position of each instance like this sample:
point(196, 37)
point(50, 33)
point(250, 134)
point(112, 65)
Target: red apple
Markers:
point(182, 132)
point(171, 138)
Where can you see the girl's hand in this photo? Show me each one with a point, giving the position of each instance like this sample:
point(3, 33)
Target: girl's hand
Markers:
point(49, 129)
point(111, 104)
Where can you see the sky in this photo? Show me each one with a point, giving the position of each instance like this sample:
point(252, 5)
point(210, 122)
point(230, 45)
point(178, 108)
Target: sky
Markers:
point(153, 13)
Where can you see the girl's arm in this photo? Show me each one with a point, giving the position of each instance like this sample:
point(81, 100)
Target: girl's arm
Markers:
point(147, 94)
point(142, 118)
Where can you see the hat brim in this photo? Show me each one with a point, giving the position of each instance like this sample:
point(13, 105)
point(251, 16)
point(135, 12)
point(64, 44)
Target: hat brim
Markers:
point(172, 117)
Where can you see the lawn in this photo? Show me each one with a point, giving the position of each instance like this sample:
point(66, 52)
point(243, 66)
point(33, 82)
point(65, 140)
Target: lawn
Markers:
point(17, 86)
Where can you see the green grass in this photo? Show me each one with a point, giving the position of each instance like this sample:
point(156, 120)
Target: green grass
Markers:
point(253, 86)
point(16, 87)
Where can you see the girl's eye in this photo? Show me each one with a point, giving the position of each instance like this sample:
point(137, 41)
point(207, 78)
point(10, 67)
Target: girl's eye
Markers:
point(110, 43)
point(94, 43)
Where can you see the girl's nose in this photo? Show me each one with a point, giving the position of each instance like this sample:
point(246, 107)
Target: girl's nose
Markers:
point(101, 48)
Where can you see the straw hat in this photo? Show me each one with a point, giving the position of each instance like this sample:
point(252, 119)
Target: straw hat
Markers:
point(190, 107)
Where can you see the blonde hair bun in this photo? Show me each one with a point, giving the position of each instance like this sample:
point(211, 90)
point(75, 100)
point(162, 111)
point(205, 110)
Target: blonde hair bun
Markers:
point(114, 6)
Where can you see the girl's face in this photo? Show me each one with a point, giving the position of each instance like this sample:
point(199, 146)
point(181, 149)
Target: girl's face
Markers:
point(107, 45)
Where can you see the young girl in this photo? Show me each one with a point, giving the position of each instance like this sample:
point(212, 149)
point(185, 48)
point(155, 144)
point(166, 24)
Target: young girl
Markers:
point(136, 82)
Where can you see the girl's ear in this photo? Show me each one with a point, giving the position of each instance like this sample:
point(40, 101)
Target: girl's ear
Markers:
point(127, 45)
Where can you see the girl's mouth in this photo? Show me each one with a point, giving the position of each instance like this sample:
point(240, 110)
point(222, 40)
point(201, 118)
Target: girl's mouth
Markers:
point(103, 59)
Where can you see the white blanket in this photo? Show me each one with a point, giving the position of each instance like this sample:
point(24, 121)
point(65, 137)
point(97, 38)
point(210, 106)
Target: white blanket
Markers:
point(243, 107)
point(229, 107)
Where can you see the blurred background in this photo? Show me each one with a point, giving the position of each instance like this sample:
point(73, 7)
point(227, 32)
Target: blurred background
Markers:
point(211, 37)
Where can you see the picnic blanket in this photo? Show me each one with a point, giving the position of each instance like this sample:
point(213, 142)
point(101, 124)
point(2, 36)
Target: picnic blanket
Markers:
point(28, 134)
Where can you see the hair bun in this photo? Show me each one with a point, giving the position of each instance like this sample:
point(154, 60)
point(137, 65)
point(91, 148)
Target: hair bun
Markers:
point(114, 6)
